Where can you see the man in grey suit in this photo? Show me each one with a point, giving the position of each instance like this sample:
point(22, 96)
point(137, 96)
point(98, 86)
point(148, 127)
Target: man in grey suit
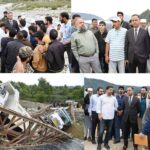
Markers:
point(137, 46)
point(131, 108)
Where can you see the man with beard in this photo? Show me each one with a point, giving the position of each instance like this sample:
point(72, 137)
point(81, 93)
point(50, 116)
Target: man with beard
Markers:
point(85, 48)
point(115, 42)
point(118, 115)
point(92, 111)
point(144, 103)
point(66, 30)
point(49, 24)
point(106, 107)
point(4, 19)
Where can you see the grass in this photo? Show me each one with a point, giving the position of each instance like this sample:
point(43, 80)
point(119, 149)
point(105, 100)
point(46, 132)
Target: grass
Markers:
point(29, 5)
point(76, 130)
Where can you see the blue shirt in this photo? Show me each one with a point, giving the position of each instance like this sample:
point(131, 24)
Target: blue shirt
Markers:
point(146, 128)
point(120, 101)
point(66, 30)
point(93, 103)
point(142, 106)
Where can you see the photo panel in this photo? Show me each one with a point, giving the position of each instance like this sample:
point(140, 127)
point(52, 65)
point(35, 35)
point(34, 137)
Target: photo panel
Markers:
point(111, 36)
point(41, 111)
point(116, 112)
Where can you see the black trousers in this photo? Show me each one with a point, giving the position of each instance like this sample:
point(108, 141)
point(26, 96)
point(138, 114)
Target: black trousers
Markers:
point(95, 123)
point(75, 65)
point(137, 63)
point(69, 52)
point(126, 129)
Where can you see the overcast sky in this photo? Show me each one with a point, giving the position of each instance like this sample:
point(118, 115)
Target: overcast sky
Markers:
point(108, 8)
point(53, 79)
point(123, 79)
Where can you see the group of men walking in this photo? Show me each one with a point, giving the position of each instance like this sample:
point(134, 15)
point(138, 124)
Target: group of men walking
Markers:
point(123, 112)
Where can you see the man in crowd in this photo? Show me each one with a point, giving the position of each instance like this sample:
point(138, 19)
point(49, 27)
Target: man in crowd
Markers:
point(75, 65)
point(143, 24)
point(137, 46)
point(144, 103)
point(49, 24)
point(12, 50)
point(4, 19)
point(115, 42)
point(11, 23)
point(4, 42)
point(131, 108)
point(94, 27)
point(87, 119)
point(118, 115)
point(106, 107)
point(55, 54)
point(92, 111)
point(124, 24)
point(100, 36)
point(32, 31)
point(85, 48)
point(66, 29)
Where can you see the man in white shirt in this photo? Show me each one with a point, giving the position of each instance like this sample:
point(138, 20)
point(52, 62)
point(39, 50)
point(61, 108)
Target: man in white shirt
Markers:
point(106, 107)
point(92, 111)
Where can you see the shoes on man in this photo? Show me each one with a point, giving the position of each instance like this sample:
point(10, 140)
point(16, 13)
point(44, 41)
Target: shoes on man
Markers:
point(107, 146)
point(99, 147)
point(115, 142)
point(93, 142)
point(124, 147)
point(89, 139)
point(85, 138)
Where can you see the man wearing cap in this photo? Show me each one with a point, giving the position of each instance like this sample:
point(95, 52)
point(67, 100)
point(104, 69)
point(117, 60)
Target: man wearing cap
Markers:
point(22, 65)
point(143, 23)
point(137, 46)
point(115, 42)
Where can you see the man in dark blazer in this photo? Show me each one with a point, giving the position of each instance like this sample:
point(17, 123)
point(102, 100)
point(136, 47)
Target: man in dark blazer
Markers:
point(10, 23)
point(131, 109)
point(137, 46)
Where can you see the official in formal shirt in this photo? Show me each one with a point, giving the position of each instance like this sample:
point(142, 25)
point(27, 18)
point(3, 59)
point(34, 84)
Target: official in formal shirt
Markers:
point(131, 108)
point(137, 46)
point(92, 111)
point(106, 107)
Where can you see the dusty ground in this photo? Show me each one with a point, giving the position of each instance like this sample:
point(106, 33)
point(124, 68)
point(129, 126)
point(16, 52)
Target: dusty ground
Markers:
point(89, 146)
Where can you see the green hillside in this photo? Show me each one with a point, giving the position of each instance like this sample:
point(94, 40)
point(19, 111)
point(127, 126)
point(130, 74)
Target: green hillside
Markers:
point(146, 15)
point(95, 83)
point(44, 92)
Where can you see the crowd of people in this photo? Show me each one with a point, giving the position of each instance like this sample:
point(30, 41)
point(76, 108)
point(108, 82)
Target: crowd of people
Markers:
point(37, 47)
point(123, 49)
point(122, 114)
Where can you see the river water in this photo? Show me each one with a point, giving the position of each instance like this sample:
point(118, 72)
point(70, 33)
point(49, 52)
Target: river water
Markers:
point(74, 144)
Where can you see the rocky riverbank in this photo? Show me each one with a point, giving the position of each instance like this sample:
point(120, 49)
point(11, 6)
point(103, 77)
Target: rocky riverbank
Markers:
point(34, 14)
